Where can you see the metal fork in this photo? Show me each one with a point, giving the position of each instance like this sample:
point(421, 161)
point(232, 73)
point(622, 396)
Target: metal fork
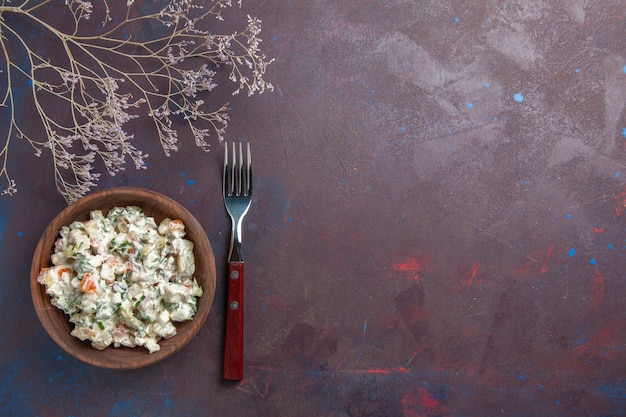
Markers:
point(237, 190)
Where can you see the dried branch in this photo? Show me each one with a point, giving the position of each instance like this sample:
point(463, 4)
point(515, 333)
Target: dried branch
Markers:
point(87, 83)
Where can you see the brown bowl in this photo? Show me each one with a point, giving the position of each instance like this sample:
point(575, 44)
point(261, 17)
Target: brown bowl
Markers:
point(57, 323)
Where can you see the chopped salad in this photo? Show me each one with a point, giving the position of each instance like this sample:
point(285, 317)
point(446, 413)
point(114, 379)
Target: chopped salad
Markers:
point(122, 279)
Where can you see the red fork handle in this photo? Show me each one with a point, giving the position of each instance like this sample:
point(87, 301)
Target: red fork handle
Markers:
point(233, 344)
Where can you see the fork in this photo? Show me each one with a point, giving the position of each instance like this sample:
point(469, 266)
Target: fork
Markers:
point(237, 190)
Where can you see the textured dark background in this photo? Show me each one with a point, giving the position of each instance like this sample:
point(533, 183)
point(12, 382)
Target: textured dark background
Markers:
point(437, 227)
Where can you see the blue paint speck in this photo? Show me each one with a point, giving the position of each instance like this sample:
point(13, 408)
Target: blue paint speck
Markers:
point(470, 105)
point(290, 219)
point(571, 252)
point(618, 174)
point(569, 216)
point(577, 70)
point(191, 182)
point(60, 357)
point(183, 174)
point(487, 85)
point(624, 132)
point(402, 129)
point(610, 246)
point(593, 261)
point(521, 377)
point(624, 69)
point(582, 341)
point(20, 234)
point(457, 20)
point(519, 97)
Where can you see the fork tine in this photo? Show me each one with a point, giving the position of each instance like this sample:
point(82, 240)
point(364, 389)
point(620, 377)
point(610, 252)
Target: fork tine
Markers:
point(240, 179)
point(236, 175)
point(249, 173)
point(233, 173)
point(225, 179)
point(229, 171)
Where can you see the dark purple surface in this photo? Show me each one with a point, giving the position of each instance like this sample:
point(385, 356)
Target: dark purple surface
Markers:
point(437, 226)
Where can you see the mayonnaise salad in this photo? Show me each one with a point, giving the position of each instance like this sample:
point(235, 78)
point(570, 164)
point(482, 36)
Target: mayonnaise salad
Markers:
point(123, 279)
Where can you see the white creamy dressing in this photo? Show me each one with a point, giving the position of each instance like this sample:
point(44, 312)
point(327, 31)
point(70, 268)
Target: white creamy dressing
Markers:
point(122, 279)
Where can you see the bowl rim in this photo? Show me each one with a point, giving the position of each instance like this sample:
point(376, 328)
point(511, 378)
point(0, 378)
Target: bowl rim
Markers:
point(122, 357)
